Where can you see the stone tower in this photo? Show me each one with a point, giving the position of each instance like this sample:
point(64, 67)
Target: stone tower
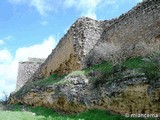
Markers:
point(26, 70)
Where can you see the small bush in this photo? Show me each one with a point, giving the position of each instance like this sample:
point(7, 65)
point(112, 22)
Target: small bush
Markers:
point(133, 63)
point(4, 99)
point(104, 66)
point(151, 68)
point(108, 75)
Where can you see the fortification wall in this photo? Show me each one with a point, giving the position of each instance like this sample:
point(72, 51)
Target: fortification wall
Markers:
point(86, 34)
point(61, 53)
point(26, 69)
point(88, 41)
point(135, 33)
point(72, 49)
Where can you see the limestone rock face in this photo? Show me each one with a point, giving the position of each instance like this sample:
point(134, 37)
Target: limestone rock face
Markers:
point(76, 93)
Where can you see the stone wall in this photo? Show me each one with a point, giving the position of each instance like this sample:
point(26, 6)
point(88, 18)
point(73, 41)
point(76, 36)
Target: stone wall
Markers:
point(132, 34)
point(88, 41)
point(70, 52)
point(26, 69)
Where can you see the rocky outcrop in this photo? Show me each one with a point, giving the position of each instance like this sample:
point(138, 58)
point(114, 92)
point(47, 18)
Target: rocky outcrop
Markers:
point(133, 93)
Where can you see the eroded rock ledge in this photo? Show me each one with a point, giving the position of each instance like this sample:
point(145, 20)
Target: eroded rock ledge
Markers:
point(133, 93)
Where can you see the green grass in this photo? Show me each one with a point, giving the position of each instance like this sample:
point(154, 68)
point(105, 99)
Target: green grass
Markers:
point(52, 79)
point(40, 113)
point(133, 63)
point(149, 66)
point(76, 73)
point(18, 115)
point(104, 66)
point(49, 80)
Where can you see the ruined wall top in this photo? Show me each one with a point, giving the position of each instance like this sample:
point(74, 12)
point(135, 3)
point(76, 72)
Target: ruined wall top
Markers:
point(33, 60)
point(26, 69)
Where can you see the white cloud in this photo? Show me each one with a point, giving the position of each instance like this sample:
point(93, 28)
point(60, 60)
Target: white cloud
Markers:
point(110, 1)
point(9, 37)
point(4, 39)
point(9, 63)
point(69, 3)
point(42, 6)
point(138, 0)
point(5, 55)
point(1, 42)
point(90, 14)
point(39, 50)
point(87, 7)
point(44, 23)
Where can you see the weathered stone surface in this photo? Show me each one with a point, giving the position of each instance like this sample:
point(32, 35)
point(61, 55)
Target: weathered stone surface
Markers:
point(26, 69)
point(70, 52)
point(132, 34)
point(76, 93)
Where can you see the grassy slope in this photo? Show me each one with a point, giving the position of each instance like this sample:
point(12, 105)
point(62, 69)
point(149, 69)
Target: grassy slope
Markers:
point(19, 112)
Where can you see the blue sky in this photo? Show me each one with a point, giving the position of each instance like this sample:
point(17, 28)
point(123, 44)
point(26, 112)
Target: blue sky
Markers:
point(32, 28)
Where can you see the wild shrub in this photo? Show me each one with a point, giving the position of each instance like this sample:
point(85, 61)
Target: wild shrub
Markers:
point(151, 68)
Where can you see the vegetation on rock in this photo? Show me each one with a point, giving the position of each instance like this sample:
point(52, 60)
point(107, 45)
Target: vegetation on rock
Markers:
point(107, 85)
point(148, 67)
